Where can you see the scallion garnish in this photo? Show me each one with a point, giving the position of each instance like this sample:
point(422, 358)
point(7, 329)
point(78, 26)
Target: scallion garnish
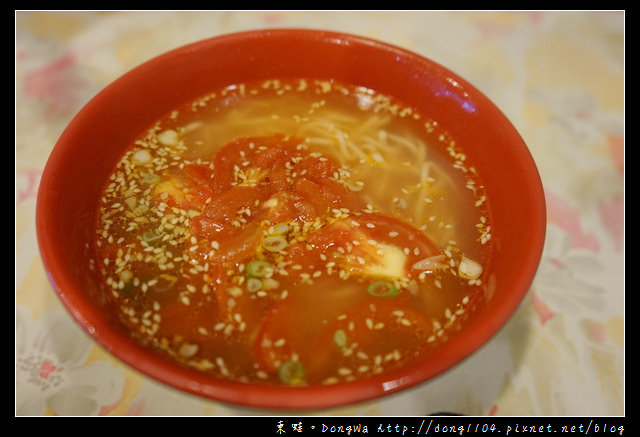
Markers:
point(292, 372)
point(259, 269)
point(382, 289)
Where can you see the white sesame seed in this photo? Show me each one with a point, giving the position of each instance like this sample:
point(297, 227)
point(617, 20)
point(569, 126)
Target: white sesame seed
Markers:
point(369, 323)
point(344, 371)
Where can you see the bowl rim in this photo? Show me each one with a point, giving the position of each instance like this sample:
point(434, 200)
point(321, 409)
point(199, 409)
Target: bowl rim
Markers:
point(294, 398)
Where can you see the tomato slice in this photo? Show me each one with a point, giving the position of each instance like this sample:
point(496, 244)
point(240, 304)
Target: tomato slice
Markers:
point(187, 189)
point(318, 168)
point(230, 156)
point(285, 206)
point(366, 333)
point(368, 245)
point(326, 195)
point(234, 202)
point(372, 334)
point(397, 232)
point(291, 325)
point(282, 166)
point(267, 153)
point(183, 319)
point(228, 213)
point(198, 180)
point(280, 336)
point(240, 246)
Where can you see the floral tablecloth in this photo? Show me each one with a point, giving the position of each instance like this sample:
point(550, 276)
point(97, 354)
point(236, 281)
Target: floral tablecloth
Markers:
point(559, 76)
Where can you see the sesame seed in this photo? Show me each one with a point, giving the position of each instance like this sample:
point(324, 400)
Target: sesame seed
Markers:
point(369, 323)
point(344, 371)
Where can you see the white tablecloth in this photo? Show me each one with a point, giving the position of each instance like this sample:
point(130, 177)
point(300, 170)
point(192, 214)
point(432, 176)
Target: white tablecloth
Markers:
point(559, 76)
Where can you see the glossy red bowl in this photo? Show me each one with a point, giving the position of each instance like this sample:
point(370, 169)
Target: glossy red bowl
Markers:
point(95, 139)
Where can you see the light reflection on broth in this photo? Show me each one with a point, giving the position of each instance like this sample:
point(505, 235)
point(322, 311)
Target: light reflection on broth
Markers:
point(300, 232)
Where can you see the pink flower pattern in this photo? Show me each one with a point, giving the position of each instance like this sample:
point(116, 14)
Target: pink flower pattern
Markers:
point(51, 377)
point(562, 214)
point(27, 184)
point(58, 83)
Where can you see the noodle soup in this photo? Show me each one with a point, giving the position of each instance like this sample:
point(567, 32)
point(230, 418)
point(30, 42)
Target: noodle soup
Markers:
point(297, 232)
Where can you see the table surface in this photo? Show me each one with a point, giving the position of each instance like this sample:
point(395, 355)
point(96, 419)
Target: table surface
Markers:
point(559, 77)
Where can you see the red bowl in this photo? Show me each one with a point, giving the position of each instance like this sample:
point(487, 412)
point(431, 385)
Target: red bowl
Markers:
point(95, 139)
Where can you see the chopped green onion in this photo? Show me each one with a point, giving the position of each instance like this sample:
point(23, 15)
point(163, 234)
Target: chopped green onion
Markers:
point(141, 156)
point(270, 284)
point(292, 372)
point(151, 178)
point(188, 350)
point(274, 243)
point(279, 229)
point(340, 338)
point(169, 137)
point(131, 202)
point(152, 238)
point(469, 269)
point(259, 269)
point(254, 284)
point(382, 289)
point(163, 282)
point(128, 289)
